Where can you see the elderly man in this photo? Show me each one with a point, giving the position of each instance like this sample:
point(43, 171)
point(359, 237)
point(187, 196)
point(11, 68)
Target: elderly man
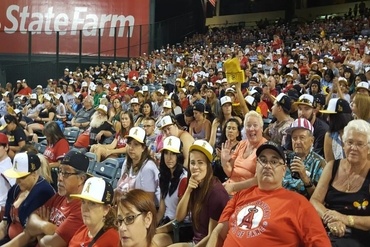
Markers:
point(82, 118)
point(268, 214)
point(100, 129)
point(305, 166)
point(55, 223)
point(306, 109)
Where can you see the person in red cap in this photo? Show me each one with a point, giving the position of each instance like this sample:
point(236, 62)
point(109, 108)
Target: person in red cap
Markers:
point(5, 163)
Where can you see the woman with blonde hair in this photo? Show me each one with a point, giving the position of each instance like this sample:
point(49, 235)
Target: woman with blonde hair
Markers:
point(99, 219)
point(240, 165)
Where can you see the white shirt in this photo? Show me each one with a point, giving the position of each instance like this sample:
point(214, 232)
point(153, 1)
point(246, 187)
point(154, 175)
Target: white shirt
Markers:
point(4, 186)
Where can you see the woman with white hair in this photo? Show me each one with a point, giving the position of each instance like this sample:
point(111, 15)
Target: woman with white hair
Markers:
point(240, 165)
point(342, 195)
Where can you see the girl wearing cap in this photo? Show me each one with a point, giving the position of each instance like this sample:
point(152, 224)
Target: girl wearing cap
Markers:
point(30, 193)
point(204, 197)
point(218, 124)
point(114, 113)
point(172, 182)
point(139, 170)
point(45, 115)
point(136, 219)
point(169, 127)
point(99, 219)
point(117, 147)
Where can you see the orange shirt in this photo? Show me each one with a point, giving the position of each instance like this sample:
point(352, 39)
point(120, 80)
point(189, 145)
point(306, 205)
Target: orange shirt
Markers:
point(244, 168)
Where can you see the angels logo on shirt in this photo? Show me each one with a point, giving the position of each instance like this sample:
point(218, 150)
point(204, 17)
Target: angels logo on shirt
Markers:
point(250, 220)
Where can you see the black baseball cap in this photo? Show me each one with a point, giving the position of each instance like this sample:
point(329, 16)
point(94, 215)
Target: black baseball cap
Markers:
point(77, 160)
point(273, 146)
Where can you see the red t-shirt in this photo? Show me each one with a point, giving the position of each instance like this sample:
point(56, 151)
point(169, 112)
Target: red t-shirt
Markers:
point(110, 238)
point(25, 91)
point(56, 152)
point(272, 218)
point(65, 215)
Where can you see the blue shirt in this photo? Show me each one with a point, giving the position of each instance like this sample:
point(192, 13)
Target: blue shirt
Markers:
point(314, 165)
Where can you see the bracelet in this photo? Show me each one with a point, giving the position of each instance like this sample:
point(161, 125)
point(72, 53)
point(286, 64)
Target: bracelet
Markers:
point(351, 221)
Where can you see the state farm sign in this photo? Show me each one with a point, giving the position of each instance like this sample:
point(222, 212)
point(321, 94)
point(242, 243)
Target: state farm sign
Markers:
point(45, 18)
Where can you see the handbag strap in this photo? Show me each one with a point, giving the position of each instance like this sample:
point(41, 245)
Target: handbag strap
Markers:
point(101, 231)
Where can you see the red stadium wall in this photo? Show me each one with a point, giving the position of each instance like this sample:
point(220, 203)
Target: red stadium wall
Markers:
point(44, 18)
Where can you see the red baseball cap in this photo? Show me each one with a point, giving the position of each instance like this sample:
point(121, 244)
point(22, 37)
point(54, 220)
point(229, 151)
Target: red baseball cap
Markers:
point(4, 139)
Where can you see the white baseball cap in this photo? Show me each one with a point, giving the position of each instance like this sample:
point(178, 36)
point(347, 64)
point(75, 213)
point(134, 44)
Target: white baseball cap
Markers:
point(167, 104)
point(225, 99)
point(137, 133)
point(102, 108)
point(96, 190)
point(165, 121)
point(172, 143)
point(134, 101)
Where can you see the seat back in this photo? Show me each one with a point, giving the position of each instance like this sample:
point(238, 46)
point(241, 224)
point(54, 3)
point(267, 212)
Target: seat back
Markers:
point(106, 169)
point(92, 161)
point(71, 134)
point(41, 146)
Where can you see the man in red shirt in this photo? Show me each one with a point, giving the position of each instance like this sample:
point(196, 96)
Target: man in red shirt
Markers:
point(268, 214)
point(26, 90)
point(58, 219)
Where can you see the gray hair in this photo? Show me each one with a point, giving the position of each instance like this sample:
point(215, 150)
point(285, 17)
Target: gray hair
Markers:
point(357, 125)
point(253, 114)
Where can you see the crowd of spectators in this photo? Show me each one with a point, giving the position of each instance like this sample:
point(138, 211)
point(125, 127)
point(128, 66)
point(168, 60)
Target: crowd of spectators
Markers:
point(178, 127)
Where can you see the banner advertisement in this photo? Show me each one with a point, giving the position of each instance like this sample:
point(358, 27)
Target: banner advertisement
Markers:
point(125, 21)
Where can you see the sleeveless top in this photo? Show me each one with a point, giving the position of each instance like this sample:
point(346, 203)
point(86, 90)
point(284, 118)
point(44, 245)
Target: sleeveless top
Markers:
point(350, 203)
point(201, 135)
point(337, 146)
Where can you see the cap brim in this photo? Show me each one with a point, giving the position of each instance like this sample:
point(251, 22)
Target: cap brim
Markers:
point(302, 103)
point(99, 109)
point(171, 149)
point(86, 197)
point(2, 127)
point(135, 138)
point(327, 112)
point(11, 173)
point(357, 88)
point(203, 150)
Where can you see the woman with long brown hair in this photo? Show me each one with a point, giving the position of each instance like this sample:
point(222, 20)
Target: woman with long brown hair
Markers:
point(204, 198)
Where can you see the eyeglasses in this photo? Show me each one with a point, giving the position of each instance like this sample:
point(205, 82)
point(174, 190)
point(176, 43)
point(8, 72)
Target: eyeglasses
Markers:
point(128, 220)
point(273, 163)
point(358, 145)
point(66, 174)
